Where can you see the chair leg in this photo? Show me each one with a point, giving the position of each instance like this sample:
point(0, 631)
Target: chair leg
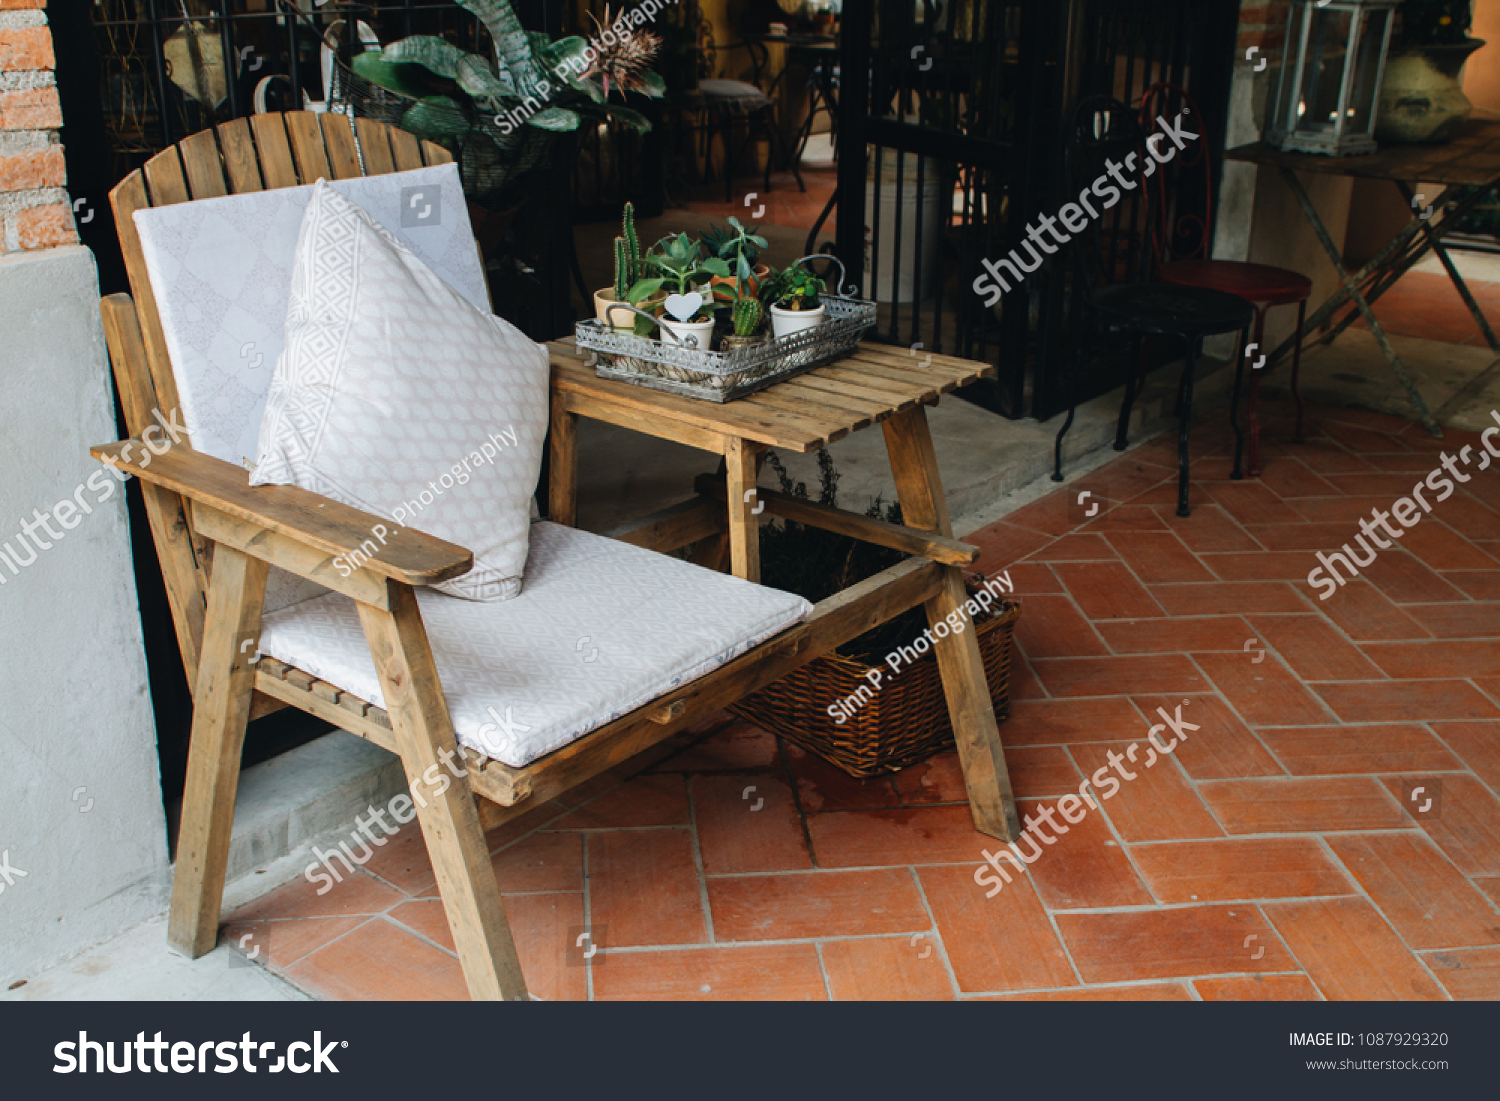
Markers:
point(449, 818)
point(1070, 380)
point(1260, 336)
point(1297, 368)
point(221, 707)
point(972, 711)
point(1185, 420)
point(1135, 382)
point(1234, 406)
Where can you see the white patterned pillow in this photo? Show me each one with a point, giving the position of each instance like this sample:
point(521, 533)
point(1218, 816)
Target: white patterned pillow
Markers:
point(397, 396)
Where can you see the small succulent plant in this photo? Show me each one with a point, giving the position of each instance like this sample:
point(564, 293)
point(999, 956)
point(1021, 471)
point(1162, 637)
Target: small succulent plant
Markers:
point(795, 288)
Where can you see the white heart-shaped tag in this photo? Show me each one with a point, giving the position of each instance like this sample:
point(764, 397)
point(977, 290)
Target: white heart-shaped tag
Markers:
point(683, 306)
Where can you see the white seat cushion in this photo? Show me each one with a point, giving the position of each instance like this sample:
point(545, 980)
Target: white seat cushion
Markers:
point(599, 629)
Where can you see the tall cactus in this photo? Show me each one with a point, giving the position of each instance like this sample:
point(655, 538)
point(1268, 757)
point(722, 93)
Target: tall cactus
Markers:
point(632, 245)
point(747, 314)
point(623, 277)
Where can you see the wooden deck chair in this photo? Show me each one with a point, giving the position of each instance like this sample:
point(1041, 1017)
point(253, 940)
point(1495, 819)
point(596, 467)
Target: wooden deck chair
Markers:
point(217, 537)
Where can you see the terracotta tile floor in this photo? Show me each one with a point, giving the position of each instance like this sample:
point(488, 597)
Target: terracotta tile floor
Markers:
point(1276, 854)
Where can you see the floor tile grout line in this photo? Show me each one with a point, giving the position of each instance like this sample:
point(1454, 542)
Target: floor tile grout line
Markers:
point(937, 932)
point(794, 783)
point(703, 902)
point(1362, 893)
point(588, 921)
point(823, 970)
point(1119, 840)
point(423, 937)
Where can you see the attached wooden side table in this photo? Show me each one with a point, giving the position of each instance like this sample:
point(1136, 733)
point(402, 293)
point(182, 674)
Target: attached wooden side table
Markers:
point(874, 385)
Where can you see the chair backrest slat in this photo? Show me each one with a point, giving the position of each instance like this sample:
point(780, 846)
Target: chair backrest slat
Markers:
point(375, 145)
point(246, 155)
point(406, 151)
point(273, 151)
point(307, 146)
point(343, 156)
point(131, 195)
point(200, 161)
point(239, 157)
point(165, 178)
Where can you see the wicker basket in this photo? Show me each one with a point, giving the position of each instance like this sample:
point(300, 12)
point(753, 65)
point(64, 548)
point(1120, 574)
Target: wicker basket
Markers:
point(904, 723)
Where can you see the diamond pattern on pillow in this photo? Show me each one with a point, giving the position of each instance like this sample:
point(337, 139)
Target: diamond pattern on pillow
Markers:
point(391, 386)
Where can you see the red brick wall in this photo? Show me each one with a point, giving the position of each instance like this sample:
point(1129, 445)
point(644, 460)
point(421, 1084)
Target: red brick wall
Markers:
point(35, 211)
point(1262, 24)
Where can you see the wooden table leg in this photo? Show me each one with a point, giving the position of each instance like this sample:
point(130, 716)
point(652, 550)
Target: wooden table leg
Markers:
point(923, 506)
point(712, 553)
point(562, 476)
point(744, 509)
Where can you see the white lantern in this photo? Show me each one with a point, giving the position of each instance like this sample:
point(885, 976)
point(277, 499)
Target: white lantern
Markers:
point(1325, 98)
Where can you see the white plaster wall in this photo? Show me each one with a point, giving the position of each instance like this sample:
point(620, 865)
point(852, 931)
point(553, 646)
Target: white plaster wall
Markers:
point(74, 705)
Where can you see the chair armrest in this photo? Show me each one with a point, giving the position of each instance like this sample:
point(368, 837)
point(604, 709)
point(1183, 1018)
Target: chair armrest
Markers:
point(326, 526)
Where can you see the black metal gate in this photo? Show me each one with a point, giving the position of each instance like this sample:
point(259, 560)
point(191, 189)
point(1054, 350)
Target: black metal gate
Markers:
point(950, 144)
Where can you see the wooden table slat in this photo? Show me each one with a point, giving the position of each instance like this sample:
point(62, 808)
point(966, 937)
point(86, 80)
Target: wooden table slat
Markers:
point(800, 414)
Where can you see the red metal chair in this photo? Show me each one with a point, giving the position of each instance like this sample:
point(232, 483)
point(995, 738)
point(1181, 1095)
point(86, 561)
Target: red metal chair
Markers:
point(1182, 248)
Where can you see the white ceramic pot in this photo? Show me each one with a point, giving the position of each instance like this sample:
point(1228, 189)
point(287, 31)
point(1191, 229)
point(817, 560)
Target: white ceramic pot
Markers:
point(619, 319)
point(701, 331)
point(787, 322)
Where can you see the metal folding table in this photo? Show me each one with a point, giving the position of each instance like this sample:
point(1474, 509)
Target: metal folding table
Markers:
point(1472, 159)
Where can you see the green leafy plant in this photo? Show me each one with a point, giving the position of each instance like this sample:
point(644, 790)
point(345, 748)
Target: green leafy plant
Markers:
point(680, 268)
point(529, 81)
point(739, 246)
point(747, 314)
point(794, 288)
point(1436, 22)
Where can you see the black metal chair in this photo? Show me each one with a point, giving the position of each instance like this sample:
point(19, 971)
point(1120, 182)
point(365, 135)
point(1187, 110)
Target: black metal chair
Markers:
point(1111, 250)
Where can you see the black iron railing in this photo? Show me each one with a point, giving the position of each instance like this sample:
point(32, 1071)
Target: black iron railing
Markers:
point(951, 124)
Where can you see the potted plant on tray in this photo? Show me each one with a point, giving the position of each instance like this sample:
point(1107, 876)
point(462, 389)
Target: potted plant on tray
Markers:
point(681, 293)
point(627, 272)
point(794, 298)
point(748, 317)
point(740, 248)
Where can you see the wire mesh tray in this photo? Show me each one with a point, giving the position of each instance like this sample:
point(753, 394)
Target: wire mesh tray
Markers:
point(677, 365)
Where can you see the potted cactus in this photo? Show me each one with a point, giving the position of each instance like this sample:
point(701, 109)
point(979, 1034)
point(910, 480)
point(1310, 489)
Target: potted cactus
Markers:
point(747, 316)
point(627, 272)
